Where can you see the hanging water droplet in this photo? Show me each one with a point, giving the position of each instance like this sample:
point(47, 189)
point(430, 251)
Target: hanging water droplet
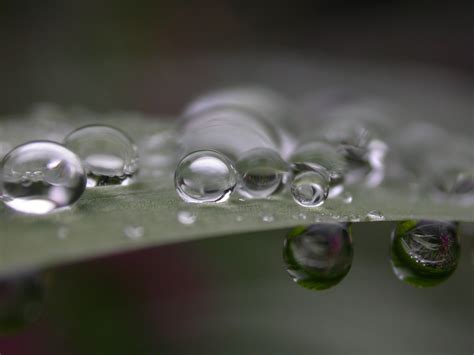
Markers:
point(424, 253)
point(41, 176)
point(134, 231)
point(375, 215)
point(318, 256)
point(108, 154)
point(205, 176)
point(310, 185)
point(186, 217)
point(261, 172)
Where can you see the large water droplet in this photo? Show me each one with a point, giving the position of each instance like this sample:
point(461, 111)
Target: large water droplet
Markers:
point(108, 154)
point(40, 176)
point(205, 176)
point(318, 256)
point(424, 253)
point(310, 185)
point(262, 172)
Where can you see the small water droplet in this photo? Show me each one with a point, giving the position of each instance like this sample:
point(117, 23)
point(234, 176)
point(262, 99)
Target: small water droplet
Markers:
point(261, 172)
point(268, 218)
point(32, 180)
point(134, 231)
point(205, 176)
point(310, 185)
point(346, 197)
point(239, 218)
point(300, 216)
point(375, 215)
point(108, 154)
point(186, 217)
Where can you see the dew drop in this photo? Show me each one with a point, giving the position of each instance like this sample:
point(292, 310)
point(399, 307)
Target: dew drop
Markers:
point(424, 253)
point(269, 218)
point(346, 198)
point(41, 176)
point(310, 185)
point(108, 154)
point(300, 216)
point(375, 215)
point(134, 231)
point(186, 217)
point(261, 172)
point(205, 176)
point(318, 256)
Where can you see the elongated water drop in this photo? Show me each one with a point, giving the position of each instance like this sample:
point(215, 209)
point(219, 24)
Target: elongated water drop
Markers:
point(205, 176)
point(262, 172)
point(41, 176)
point(425, 253)
point(310, 184)
point(108, 154)
point(318, 256)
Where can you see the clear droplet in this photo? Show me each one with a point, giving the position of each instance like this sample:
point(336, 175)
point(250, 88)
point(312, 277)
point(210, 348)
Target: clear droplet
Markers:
point(346, 197)
point(425, 253)
point(375, 215)
point(205, 176)
point(267, 217)
point(108, 154)
point(186, 217)
point(41, 176)
point(300, 216)
point(310, 185)
point(134, 231)
point(261, 171)
point(318, 256)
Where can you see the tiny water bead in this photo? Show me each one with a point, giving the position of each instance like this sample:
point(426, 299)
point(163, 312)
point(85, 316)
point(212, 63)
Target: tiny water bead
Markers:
point(108, 154)
point(262, 172)
point(186, 217)
point(425, 253)
point(375, 216)
point(134, 231)
point(310, 184)
point(205, 176)
point(41, 176)
point(318, 256)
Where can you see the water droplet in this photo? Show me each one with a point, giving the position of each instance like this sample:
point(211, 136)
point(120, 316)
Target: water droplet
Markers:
point(186, 217)
point(108, 154)
point(318, 256)
point(134, 231)
point(261, 172)
point(346, 197)
point(424, 253)
point(300, 216)
point(268, 218)
point(310, 185)
point(63, 232)
point(375, 215)
point(41, 176)
point(205, 176)
point(239, 218)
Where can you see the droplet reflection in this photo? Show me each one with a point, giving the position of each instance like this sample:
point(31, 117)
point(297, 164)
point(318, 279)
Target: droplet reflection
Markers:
point(318, 256)
point(424, 253)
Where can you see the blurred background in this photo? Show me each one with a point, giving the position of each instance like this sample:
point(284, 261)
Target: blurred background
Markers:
point(154, 56)
point(232, 295)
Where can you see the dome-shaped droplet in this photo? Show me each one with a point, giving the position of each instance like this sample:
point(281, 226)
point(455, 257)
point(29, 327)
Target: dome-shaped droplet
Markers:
point(108, 154)
point(262, 172)
point(318, 256)
point(205, 176)
point(424, 253)
point(38, 177)
point(310, 184)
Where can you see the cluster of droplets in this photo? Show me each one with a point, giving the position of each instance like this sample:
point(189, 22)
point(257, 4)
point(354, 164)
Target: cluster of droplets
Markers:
point(423, 253)
point(42, 176)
